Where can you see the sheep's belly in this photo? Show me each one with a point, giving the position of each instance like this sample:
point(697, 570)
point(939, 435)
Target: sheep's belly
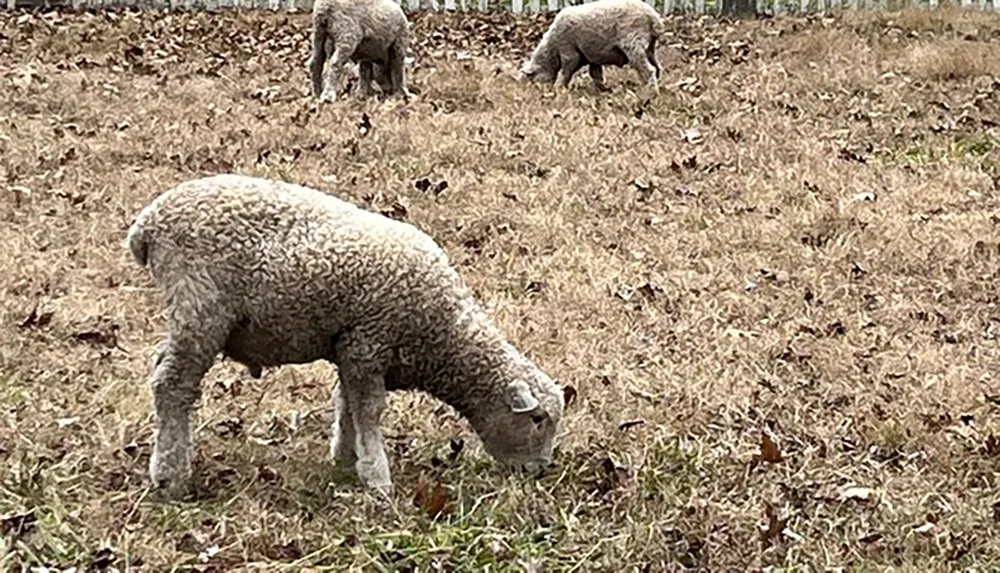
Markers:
point(612, 56)
point(371, 50)
point(256, 347)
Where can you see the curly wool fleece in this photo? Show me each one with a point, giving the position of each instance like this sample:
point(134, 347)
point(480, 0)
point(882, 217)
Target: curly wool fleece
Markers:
point(273, 273)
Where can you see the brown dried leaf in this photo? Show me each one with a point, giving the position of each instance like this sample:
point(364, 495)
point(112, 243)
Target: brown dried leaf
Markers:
point(17, 524)
point(397, 210)
point(769, 450)
point(569, 394)
point(615, 476)
point(435, 500)
point(99, 337)
point(871, 538)
point(456, 449)
point(992, 446)
point(102, 559)
point(775, 525)
point(36, 319)
point(365, 125)
point(630, 424)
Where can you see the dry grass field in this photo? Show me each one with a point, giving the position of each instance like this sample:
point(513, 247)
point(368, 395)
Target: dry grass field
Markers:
point(773, 287)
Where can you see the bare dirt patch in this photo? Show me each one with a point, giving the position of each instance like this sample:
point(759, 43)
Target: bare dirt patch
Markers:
point(774, 289)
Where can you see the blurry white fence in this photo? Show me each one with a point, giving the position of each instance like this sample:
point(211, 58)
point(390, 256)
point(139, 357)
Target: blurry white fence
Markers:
point(523, 6)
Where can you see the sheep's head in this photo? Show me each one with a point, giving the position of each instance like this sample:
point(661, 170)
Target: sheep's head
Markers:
point(519, 430)
point(532, 71)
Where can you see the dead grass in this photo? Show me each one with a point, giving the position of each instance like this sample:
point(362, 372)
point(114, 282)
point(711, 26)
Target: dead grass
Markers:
point(792, 240)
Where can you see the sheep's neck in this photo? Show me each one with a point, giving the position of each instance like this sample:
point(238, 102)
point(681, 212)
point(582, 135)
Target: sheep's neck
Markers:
point(468, 373)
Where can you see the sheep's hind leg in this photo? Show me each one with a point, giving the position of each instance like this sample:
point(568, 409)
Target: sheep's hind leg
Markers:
point(365, 74)
point(651, 56)
point(180, 362)
point(343, 438)
point(382, 78)
point(597, 76)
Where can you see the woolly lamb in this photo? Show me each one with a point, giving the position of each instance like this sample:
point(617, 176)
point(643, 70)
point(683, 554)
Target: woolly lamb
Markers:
point(364, 31)
point(601, 33)
point(271, 273)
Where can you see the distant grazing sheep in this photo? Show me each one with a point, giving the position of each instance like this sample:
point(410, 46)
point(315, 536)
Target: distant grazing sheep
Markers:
point(601, 33)
point(271, 273)
point(368, 32)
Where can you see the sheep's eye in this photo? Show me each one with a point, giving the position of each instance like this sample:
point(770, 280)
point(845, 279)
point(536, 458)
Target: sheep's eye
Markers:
point(538, 419)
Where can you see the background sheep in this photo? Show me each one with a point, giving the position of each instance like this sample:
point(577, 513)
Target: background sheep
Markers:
point(272, 273)
point(365, 31)
point(602, 33)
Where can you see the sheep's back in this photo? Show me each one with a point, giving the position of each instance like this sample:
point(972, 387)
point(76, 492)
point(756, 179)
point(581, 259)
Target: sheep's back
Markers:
point(596, 27)
point(277, 248)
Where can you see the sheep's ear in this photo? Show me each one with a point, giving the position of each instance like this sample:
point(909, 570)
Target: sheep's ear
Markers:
point(520, 399)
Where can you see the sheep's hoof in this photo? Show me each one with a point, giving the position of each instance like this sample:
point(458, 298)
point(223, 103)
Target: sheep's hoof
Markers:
point(342, 454)
point(170, 487)
point(172, 478)
point(171, 490)
point(327, 97)
point(384, 490)
point(375, 476)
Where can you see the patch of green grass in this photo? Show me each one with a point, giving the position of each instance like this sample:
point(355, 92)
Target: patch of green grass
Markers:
point(978, 144)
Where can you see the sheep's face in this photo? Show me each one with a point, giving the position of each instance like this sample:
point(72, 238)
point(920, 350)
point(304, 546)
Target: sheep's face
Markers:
point(521, 430)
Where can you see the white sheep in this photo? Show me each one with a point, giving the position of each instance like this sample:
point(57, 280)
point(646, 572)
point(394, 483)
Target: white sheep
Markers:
point(273, 273)
point(601, 33)
point(368, 32)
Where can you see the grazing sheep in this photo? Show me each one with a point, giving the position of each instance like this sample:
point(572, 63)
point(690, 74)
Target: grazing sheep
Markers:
point(272, 273)
point(601, 33)
point(368, 32)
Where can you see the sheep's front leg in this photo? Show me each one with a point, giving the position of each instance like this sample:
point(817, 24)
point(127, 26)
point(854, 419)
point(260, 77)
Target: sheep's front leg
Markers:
point(638, 60)
point(343, 437)
point(343, 50)
point(365, 389)
point(179, 367)
point(571, 63)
